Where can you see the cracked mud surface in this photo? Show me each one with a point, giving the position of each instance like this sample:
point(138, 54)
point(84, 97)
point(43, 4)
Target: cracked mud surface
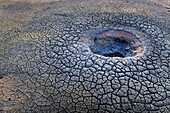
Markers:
point(46, 66)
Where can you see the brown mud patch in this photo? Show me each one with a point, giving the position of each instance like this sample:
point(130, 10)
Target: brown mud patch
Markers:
point(21, 7)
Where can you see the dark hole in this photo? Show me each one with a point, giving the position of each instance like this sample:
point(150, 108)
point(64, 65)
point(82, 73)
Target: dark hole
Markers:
point(95, 39)
point(1, 77)
point(116, 54)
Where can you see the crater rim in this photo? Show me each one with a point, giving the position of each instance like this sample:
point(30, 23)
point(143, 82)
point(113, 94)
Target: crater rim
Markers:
point(113, 42)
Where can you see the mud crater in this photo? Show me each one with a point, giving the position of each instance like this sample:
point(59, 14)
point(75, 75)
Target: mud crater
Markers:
point(114, 43)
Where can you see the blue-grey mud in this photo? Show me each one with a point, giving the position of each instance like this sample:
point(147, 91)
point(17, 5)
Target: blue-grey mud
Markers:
point(79, 60)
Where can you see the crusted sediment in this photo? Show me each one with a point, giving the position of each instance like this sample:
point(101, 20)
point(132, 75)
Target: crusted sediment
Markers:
point(59, 73)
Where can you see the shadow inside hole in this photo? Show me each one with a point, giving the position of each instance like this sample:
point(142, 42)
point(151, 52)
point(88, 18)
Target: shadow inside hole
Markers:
point(115, 54)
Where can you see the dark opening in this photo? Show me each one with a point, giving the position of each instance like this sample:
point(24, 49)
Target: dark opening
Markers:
point(116, 54)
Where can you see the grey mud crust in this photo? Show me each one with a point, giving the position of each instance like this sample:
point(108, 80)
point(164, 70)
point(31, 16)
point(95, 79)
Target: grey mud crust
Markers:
point(60, 72)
